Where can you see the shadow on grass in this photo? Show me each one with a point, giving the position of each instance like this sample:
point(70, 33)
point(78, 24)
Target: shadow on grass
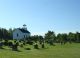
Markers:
point(2, 48)
point(27, 48)
point(17, 50)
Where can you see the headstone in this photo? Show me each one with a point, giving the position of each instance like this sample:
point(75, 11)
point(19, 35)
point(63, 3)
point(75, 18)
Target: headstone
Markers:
point(43, 45)
point(36, 46)
point(10, 44)
point(24, 43)
point(21, 45)
point(15, 47)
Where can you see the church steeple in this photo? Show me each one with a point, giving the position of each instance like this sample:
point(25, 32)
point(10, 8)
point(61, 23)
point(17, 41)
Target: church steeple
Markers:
point(24, 27)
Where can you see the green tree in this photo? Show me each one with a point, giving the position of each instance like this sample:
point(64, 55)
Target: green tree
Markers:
point(10, 33)
point(50, 37)
point(77, 37)
point(41, 39)
point(71, 37)
point(59, 38)
point(35, 38)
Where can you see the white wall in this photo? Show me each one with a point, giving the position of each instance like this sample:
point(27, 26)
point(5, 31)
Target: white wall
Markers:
point(27, 34)
point(20, 34)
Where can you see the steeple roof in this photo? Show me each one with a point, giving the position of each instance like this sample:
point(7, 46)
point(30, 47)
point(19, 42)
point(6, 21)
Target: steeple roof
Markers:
point(23, 30)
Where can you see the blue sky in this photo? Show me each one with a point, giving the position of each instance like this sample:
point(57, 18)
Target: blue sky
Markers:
point(61, 16)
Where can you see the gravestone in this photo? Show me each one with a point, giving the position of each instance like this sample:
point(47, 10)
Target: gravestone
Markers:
point(21, 45)
point(36, 46)
point(15, 46)
point(10, 44)
point(43, 46)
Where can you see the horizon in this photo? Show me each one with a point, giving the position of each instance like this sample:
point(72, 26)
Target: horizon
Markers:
point(60, 16)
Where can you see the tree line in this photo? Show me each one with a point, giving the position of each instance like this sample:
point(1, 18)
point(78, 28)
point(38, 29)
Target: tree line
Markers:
point(6, 34)
point(62, 38)
point(49, 37)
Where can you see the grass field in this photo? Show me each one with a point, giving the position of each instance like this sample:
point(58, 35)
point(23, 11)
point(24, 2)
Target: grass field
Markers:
point(58, 51)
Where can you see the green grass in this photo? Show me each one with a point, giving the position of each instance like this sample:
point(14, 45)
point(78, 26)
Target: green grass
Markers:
point(58, 51)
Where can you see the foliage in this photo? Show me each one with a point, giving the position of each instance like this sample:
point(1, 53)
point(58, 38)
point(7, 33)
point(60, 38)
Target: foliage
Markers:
point(50, 37)
point(5, 34)
point(58, 51)
point(63, 38)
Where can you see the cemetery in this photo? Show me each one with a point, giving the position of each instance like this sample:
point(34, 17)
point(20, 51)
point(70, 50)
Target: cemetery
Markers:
point(16, 49)
point(19, 43)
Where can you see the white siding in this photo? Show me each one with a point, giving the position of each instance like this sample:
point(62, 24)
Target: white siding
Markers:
point(26, 34)
point(20, 34)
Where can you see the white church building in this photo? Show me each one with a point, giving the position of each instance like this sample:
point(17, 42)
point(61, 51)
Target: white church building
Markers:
point(21, 33)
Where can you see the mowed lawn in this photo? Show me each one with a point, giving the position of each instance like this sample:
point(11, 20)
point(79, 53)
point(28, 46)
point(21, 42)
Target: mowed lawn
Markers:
point(58, 51)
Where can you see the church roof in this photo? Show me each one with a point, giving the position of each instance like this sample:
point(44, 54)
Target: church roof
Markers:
point(23, 30)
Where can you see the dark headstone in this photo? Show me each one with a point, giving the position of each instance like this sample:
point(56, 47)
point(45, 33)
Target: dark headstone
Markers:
point(24, 43)
point(10, 44)
point(36, 46)
point(15, 46)
point(43, 46)
point(21, 45)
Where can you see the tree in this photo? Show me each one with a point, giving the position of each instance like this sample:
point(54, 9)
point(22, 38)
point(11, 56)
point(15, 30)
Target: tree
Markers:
point(64, 38)
point(5, 34)
point(41, 39)
point(35, 38)
point(50, 37)
point(59, 38)
point(10, 32)
point(71, 37)
point(77, 37)
point(0, 33)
